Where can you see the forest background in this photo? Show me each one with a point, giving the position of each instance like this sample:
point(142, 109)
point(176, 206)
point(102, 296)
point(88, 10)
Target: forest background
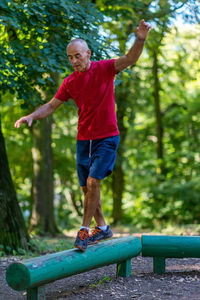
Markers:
point(156, 178)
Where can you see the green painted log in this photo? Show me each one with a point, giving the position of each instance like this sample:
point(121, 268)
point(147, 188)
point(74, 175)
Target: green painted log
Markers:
point(161, 247)
point(170, 246)
point(38, 271)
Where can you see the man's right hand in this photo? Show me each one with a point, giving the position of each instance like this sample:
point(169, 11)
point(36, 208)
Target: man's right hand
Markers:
point(26, 119)
point(42, 112)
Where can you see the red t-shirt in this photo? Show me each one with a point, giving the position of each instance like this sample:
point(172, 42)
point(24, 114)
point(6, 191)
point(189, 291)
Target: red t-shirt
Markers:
point(93, 93)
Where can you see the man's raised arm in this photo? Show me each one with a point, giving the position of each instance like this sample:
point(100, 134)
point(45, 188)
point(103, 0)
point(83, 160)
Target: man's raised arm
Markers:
point(134, 53)
point(40, 113)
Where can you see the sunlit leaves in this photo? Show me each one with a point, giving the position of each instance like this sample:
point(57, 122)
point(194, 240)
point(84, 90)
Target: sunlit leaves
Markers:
point(35, 34)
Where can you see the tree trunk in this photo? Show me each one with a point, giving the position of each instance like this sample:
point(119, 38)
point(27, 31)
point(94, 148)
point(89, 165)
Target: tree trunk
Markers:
point(118, 188)
point(159, 127)
point(42, 218)
point(118, 172)
point(13, 232)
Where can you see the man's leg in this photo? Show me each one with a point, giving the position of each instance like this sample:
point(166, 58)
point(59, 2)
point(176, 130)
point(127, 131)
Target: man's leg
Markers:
point(91, 201)
point(98, 215)
point(101, 231)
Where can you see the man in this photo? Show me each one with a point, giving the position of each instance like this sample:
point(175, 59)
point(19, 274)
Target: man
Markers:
point(91, 86)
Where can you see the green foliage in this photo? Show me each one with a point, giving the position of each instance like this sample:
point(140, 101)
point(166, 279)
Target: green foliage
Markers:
point(6, 250)
point(176, 197)
point(33, 39)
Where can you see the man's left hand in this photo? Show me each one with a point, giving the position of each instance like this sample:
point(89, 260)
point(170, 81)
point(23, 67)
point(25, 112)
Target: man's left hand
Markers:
point(142, 30)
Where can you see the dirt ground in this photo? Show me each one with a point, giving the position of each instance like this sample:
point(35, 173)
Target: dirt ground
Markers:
point(180, 282)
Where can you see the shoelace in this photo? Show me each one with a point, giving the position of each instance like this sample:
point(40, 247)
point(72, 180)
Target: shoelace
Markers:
point(83, 234)
point(96, 230)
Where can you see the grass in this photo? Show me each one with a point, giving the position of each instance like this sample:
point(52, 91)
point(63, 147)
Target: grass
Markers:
point(42, 245)
point(52, 244)
point(168, 229)
point(104, 279)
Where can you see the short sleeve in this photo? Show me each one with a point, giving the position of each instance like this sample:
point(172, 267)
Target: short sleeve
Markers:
point(63, 94)
point(108, 66)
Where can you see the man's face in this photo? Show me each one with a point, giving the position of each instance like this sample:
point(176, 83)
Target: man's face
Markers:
point(79, 56)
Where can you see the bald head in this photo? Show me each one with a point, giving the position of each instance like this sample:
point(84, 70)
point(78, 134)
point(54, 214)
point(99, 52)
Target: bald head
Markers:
point(79, 55)
point(79, 41)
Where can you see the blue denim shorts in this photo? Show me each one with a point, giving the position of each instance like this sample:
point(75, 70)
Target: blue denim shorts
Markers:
point(96, 158)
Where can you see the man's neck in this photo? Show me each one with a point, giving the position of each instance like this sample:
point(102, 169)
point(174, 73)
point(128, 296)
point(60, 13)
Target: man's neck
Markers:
point(88, 66)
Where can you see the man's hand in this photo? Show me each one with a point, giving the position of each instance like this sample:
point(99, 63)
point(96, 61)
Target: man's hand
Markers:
point(42, 112)
point(26, 119)
point(142, 31)
point(134, 53)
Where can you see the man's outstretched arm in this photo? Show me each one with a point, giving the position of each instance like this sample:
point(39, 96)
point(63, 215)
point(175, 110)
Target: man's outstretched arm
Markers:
point(40, 113)
point(134, 53)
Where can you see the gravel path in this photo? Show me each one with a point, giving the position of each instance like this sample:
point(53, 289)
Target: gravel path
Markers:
point(180, 282)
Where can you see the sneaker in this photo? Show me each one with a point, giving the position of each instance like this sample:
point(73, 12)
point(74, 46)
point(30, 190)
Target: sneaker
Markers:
point(99, 234)
point(81, 241)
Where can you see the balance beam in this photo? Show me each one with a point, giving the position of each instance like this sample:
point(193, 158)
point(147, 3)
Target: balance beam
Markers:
point(32, 274)
point(161, 247)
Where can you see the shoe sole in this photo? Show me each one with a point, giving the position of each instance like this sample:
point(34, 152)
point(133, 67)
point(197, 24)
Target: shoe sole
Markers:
point(96, 242)
point(79, 247)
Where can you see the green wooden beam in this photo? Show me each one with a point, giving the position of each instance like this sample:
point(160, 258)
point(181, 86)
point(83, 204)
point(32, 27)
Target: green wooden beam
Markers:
point(170, 246)
point(161, 247)
point(38, 271)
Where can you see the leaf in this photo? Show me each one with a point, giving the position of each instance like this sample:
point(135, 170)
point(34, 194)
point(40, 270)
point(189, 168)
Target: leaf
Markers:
point(4, 4)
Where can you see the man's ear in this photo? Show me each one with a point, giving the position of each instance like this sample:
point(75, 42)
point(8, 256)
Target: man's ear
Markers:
point(89, 53)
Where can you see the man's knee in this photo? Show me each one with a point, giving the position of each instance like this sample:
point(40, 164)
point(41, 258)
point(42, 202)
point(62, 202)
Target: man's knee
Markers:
point(93, 183)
